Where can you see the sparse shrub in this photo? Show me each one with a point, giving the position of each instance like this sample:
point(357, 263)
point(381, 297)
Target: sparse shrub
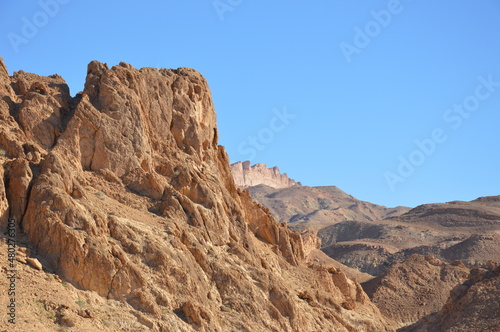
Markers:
point(2, 153)
point(81, 303)
point(51, 315)
point(106, 323)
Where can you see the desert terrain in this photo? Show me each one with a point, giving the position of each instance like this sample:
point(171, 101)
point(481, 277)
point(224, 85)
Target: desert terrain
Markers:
point(415, 263)
point(121, 212)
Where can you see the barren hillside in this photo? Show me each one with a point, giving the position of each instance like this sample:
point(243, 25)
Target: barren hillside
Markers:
point(422, 257)
point(123, 193)
point(465, 231)
point(415, 288)
point(313, 208)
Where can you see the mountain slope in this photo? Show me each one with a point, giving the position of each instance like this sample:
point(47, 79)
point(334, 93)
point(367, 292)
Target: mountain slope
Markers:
point(123, 191)
point(312, 208)
point(416, 287)
point(472, 306)
point(465, 231)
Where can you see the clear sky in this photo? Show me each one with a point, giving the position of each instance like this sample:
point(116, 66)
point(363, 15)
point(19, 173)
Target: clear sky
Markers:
point(395, 102)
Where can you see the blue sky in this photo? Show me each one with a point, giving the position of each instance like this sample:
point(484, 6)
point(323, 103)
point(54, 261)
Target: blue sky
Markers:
point(395, 102)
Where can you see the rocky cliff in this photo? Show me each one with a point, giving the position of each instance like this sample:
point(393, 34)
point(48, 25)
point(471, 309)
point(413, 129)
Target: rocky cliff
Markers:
point(246, 175)
point(123, 191)
point(464, 231)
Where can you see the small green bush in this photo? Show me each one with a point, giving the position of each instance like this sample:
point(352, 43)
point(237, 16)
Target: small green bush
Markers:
point(51, 315)
point(81, 303)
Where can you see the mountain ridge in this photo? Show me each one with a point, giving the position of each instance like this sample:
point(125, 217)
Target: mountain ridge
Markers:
point(123, 191)
point(303, 207)
point(246, 175)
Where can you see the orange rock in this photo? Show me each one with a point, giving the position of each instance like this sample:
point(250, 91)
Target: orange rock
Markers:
point(123, 190)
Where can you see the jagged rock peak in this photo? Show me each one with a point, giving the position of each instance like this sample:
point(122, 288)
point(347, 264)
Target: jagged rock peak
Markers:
point(123, 190)
point(3, 68)
point(246, 175)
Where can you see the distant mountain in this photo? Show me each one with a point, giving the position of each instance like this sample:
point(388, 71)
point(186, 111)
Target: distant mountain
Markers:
point(313, 208)
point(246, 175)
point(436, 264)
point(481, 214)
point(465, 231)
point(371, 237)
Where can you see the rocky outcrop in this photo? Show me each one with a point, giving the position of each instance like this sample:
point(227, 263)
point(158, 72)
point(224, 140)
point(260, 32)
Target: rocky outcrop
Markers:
point(311, 242)
point(482, 214)
point(246, 175)
point(4, 204)
point(124, 191)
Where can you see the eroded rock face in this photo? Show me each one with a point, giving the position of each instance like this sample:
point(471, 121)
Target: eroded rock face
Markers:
point(415, 288)
point(123, 190)
point(246, 175)
point(4, 204)
point(471, 306)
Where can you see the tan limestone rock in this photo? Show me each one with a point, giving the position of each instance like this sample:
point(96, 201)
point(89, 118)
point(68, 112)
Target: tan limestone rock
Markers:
point(131, 197)
point(35, 263)
point(246, 175)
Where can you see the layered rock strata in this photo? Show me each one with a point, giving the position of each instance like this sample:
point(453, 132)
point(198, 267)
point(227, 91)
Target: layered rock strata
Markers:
point(246, 175)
